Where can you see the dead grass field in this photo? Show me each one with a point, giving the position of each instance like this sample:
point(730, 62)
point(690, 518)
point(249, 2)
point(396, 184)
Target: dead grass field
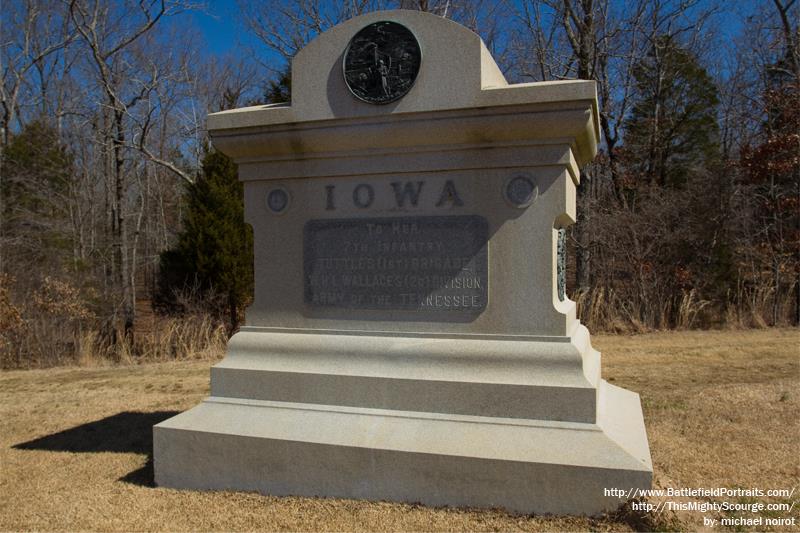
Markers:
point(721, 409)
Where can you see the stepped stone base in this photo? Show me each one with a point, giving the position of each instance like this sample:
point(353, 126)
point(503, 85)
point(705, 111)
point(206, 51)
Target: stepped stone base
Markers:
point(314, 449)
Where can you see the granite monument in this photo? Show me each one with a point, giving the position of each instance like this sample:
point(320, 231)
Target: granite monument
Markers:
point(410, 337)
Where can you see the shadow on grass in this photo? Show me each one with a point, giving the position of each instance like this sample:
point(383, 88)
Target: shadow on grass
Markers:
point(144, 476)
point(126, 432)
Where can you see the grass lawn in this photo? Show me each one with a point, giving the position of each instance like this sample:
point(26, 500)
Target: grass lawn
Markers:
point(721, 410)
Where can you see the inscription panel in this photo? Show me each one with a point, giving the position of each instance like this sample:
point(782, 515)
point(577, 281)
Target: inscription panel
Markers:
point(434, 264)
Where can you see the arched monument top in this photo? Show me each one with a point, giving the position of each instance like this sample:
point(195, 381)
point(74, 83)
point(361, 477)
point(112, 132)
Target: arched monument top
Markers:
point(456, 72)
point(455, 67)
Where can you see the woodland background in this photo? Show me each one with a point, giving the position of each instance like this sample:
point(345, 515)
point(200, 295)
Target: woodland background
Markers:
point(121, 229)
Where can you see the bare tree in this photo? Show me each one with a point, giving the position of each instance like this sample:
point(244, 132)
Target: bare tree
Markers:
point(602, 41)
point(33, 31)
point(113, 39)
point(284, 27)
point(791, 35)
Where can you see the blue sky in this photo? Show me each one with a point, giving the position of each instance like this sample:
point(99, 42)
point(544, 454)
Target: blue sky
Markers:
point(222, 27)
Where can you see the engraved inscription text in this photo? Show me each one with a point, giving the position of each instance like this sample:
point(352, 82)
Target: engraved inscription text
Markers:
point(436, 263)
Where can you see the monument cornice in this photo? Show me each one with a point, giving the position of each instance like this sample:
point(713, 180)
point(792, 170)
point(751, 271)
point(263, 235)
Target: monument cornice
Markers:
point(412, 160)
point(265, 133)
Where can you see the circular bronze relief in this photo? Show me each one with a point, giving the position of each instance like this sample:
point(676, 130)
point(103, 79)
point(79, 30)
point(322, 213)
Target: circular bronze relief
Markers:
point(381, 62)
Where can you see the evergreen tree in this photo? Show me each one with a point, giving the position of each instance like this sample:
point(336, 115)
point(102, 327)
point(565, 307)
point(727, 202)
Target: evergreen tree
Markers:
point(214, 252)
point(672, 130)
point(675, 180)
point(37, 171)
point(280, 90)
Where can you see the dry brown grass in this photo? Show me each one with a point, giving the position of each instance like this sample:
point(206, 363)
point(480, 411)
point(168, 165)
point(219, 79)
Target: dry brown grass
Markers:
point(55, 326)
point(619, 310)
point(720, 408)
point(43, 342)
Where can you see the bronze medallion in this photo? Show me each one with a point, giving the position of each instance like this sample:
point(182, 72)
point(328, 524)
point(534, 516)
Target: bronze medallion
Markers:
point(381, 62)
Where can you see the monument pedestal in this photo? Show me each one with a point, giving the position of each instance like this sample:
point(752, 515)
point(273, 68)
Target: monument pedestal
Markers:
point(410, 338)
point(475, 422)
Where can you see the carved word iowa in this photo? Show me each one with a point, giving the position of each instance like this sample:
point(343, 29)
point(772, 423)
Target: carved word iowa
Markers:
point(404, 194)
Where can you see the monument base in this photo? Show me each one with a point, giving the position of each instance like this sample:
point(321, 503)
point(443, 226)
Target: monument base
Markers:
point(312, 449)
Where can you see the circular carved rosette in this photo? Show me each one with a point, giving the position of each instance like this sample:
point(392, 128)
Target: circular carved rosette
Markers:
point(520, 191)
point(381, 62)
point(277, 200)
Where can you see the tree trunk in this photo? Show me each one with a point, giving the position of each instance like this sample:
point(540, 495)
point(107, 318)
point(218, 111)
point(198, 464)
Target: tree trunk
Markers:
point(123, 279)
